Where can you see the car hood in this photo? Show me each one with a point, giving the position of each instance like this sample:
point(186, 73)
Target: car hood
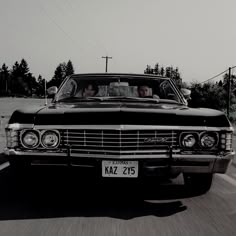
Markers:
point(120, 113)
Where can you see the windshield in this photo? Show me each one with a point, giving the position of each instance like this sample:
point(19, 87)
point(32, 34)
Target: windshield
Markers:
point(139, 88)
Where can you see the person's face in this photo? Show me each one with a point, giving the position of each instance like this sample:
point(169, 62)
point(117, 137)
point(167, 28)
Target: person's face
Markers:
point(89, 91)
point(143, 91)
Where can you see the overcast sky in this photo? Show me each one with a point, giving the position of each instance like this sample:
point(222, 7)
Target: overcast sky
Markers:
point(198, 36)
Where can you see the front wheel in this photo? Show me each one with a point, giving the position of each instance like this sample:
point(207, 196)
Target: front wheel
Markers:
point(199, 183)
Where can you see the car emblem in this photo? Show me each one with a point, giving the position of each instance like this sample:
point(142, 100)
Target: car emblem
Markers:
point(156, 140)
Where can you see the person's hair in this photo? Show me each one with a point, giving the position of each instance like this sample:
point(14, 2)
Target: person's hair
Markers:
point(142, 85)
point(94, 86)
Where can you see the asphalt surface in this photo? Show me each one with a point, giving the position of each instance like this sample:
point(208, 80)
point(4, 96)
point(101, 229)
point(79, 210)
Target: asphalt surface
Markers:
point(58, 202)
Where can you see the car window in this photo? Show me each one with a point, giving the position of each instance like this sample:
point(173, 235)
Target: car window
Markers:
point(68, 90)
point(118, 87)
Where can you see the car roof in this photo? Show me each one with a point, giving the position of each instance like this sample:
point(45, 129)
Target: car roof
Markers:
point(144, 76)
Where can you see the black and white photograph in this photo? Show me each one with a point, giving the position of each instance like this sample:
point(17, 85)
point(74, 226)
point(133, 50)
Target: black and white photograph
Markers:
point(117, 117)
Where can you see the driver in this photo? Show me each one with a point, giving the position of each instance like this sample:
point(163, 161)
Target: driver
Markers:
point(143, 91)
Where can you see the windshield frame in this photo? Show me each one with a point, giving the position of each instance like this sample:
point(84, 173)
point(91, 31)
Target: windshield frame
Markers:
point(132, 79)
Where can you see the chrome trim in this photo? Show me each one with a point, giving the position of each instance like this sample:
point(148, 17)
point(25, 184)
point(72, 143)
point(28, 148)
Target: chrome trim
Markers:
point(198, 140)
point(135, 127)
point(133, 152)
point(17, 126)
point(183, 134)
point(138, 138)
point(13, 152)
point(86, 166)
point(177, 91)
point(50, 130)
point(217, 140)
point(22, 132)
point(119, 141)
point(195, 157)
point(4, 165)
point(12, 139)
point(48, 164)
point(167, 156)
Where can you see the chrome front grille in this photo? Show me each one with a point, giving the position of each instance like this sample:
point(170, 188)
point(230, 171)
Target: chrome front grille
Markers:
point(96, 141)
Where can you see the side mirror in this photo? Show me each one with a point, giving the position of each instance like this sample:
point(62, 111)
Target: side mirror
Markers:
point(52, 90)
point(186, 93)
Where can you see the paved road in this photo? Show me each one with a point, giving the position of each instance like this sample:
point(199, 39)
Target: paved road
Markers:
point(61, 204)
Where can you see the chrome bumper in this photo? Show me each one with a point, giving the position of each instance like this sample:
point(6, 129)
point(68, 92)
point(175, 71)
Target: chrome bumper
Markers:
point(152, 164)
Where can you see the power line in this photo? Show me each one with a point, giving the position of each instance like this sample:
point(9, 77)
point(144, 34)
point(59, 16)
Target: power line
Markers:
point(55, 23)
point(232, 67)
point(52, 19)
point(217, 75)
point(214, 77)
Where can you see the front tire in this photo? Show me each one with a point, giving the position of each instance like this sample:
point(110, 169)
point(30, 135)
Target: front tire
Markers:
point(198, 183)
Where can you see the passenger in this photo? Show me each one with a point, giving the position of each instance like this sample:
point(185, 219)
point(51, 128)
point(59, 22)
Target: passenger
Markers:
point(90, 90)
point(143, 91)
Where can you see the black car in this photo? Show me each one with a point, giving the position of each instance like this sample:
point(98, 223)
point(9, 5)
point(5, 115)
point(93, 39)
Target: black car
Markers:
point(123, 126)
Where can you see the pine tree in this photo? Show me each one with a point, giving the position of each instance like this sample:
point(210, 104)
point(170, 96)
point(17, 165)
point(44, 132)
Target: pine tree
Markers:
point(40, 86)
point(62, 70)
point(22, 82)
point(162, 72)
point(69, 68)
point(4, 79)
point(23, 67)
point(15, 69)
point(156, 69)
point(59, 74)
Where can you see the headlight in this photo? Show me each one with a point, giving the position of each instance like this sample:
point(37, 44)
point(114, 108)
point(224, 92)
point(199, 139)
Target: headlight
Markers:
point(30, 139)
point(208, 140)
point(50, 139)
point(188, 140)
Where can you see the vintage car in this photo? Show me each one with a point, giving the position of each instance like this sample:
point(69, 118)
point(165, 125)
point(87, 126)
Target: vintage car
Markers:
point(123, 126)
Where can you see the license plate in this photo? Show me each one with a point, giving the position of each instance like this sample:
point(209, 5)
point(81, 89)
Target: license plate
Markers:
point(128, 169)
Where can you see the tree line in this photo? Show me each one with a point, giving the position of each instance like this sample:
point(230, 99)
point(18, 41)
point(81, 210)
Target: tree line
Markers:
point(19, 81)
point(208, 95)
point(168, 71)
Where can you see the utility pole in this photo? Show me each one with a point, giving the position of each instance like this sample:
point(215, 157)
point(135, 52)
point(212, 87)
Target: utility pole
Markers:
point(45, 92)
point(107, 61)
point(229, 91)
